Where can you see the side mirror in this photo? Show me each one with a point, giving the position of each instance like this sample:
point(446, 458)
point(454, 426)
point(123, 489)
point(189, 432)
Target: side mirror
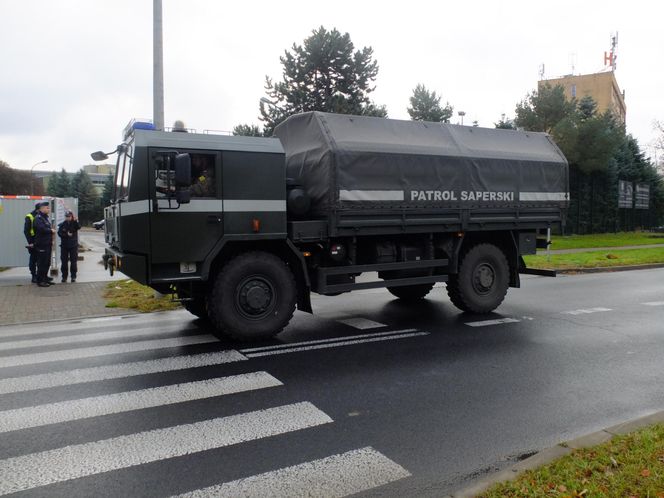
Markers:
point(183, 170)
point(99, 156)
point(183, 196)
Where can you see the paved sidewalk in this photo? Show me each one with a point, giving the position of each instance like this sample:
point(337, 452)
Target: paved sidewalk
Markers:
point(594, 249)
point(29, 303)
point(21, 301)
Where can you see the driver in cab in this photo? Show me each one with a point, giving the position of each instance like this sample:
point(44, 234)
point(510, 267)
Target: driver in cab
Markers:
point(202, 173)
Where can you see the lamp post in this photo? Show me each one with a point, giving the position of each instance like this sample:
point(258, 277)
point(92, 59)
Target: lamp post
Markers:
point(462, 114)
point(32, 180)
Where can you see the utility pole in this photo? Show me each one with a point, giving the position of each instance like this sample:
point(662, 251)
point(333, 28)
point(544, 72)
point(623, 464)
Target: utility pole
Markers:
point(158, 66)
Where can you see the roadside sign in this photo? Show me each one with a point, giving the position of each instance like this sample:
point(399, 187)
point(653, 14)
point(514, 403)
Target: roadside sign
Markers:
point(625, 194)
point(642, 196)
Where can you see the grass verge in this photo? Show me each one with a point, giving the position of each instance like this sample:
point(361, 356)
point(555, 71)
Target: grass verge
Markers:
point(597, 259)
point(132, 295)
point(607, 240)
point(627, 466)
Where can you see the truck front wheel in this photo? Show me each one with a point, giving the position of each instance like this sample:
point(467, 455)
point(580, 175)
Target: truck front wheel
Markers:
point(253, 297)
point(482, 281)
point(411, 292)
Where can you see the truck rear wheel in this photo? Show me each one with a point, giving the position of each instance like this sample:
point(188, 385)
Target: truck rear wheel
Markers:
point(411, 292)
point(482, 281)
point(253, 297)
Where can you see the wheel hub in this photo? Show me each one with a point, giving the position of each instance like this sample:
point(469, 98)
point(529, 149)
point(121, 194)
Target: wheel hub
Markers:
point(255, 297)
point(484, 278)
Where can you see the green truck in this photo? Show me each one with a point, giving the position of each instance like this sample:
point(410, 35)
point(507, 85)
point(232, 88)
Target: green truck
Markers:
point(243, 229)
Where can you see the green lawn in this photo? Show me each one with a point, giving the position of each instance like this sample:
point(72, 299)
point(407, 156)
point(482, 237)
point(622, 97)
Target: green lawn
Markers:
point(597, 259)
point(607, 240)
point(626, 466)
point(132, 295)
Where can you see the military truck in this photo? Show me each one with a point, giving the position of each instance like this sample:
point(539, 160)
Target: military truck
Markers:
point(242, 230)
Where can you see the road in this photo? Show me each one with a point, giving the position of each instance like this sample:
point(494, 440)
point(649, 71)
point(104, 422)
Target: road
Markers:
point(370, 395)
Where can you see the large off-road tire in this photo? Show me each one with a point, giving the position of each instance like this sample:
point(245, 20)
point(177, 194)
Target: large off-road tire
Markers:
point(197, 307)
point(411, 292)
point(253, 297)
point(482, 281)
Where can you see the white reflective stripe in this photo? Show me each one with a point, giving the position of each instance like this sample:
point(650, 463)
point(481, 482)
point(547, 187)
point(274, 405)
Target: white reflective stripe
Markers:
point(98, 406)
point(80, 460)
point(195, 206)
point(543, 196)
point(117, 371)
point(332, 477)
point(240, 206)
point(135, 207)
point(371, 195)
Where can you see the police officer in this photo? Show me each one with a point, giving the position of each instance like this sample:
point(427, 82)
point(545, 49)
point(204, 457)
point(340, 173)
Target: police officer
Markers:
point(68, 232)
point(43, 243)
point(29, 232)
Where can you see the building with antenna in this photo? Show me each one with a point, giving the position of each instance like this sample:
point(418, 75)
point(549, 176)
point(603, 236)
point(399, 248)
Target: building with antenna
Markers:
point(601, 86)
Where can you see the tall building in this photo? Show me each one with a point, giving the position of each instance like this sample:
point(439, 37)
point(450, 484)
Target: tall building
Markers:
point(602, 87)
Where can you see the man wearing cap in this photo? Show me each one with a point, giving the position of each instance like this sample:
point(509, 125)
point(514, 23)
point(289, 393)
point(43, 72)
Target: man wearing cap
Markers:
point(43, 243)
point(68, 232)
point(29, 232)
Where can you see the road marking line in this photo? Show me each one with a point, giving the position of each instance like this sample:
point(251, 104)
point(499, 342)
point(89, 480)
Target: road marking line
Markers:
point(332, 477)
point(91, 337)
point(117, 371)
point(362, 323)
point(324, 341)
point(486, 323)
point(586, 311)
point(78, 409)
point(654, 303)
point(81, 326)
point(72, 462)
point(334, 344)
point(124, 347)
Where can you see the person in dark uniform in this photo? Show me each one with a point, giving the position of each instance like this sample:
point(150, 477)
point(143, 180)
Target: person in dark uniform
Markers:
point(29, 232)
point(43, 243)
point(68, 232)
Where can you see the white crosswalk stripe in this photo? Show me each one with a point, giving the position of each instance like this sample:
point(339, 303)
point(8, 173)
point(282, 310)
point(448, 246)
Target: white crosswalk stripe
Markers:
point(127, 347)
point(654, 303)
point(586, 311)
point(498, 321)
point(71, 462)
point(331, 477)
point(117, 371)
point(91, 337)
point(67, 411)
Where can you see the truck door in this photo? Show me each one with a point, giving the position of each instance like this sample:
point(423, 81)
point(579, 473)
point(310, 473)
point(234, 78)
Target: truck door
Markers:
point(182, 235)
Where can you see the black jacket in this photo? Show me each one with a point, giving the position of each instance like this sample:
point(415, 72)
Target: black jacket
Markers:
point(64, 229)
point(43, 234)
point(28, 226)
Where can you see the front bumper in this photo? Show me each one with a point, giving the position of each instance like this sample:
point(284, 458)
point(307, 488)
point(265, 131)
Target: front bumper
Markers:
point(132, 265)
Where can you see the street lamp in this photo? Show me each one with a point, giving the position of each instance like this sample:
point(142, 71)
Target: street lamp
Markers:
point(462, 114)
point(32, 181)
point(267, 101)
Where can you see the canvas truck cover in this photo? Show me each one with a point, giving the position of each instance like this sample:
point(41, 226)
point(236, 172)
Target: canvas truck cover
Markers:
point(351, 162)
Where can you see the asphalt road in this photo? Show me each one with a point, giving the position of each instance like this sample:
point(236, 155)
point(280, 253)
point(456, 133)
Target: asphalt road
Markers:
point(370, 395)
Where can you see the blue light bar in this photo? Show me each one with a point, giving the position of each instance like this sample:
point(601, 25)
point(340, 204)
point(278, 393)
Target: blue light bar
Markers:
point(137, 124)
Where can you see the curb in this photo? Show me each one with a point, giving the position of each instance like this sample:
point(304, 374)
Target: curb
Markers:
point(607, 269)
point(550, 454)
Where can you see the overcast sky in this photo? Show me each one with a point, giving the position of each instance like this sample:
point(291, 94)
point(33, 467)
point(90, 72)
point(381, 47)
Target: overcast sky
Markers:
point(73, 72)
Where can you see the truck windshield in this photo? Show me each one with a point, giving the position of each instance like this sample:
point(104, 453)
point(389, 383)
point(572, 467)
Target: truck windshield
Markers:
point(123, 172)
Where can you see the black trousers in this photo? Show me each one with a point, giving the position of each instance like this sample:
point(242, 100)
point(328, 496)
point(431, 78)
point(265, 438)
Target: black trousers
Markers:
point(32, 264)
point(43, 256)
point(71, 256)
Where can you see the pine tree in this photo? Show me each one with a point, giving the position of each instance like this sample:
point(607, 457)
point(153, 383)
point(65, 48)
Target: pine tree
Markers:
point(59, 184)
point(325, 73)
point(247, 130)
point(88, 199)
point(107, 194)
point(425, 106)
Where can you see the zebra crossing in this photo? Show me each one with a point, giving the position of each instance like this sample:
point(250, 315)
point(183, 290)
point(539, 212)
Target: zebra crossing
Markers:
point(79, 357)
